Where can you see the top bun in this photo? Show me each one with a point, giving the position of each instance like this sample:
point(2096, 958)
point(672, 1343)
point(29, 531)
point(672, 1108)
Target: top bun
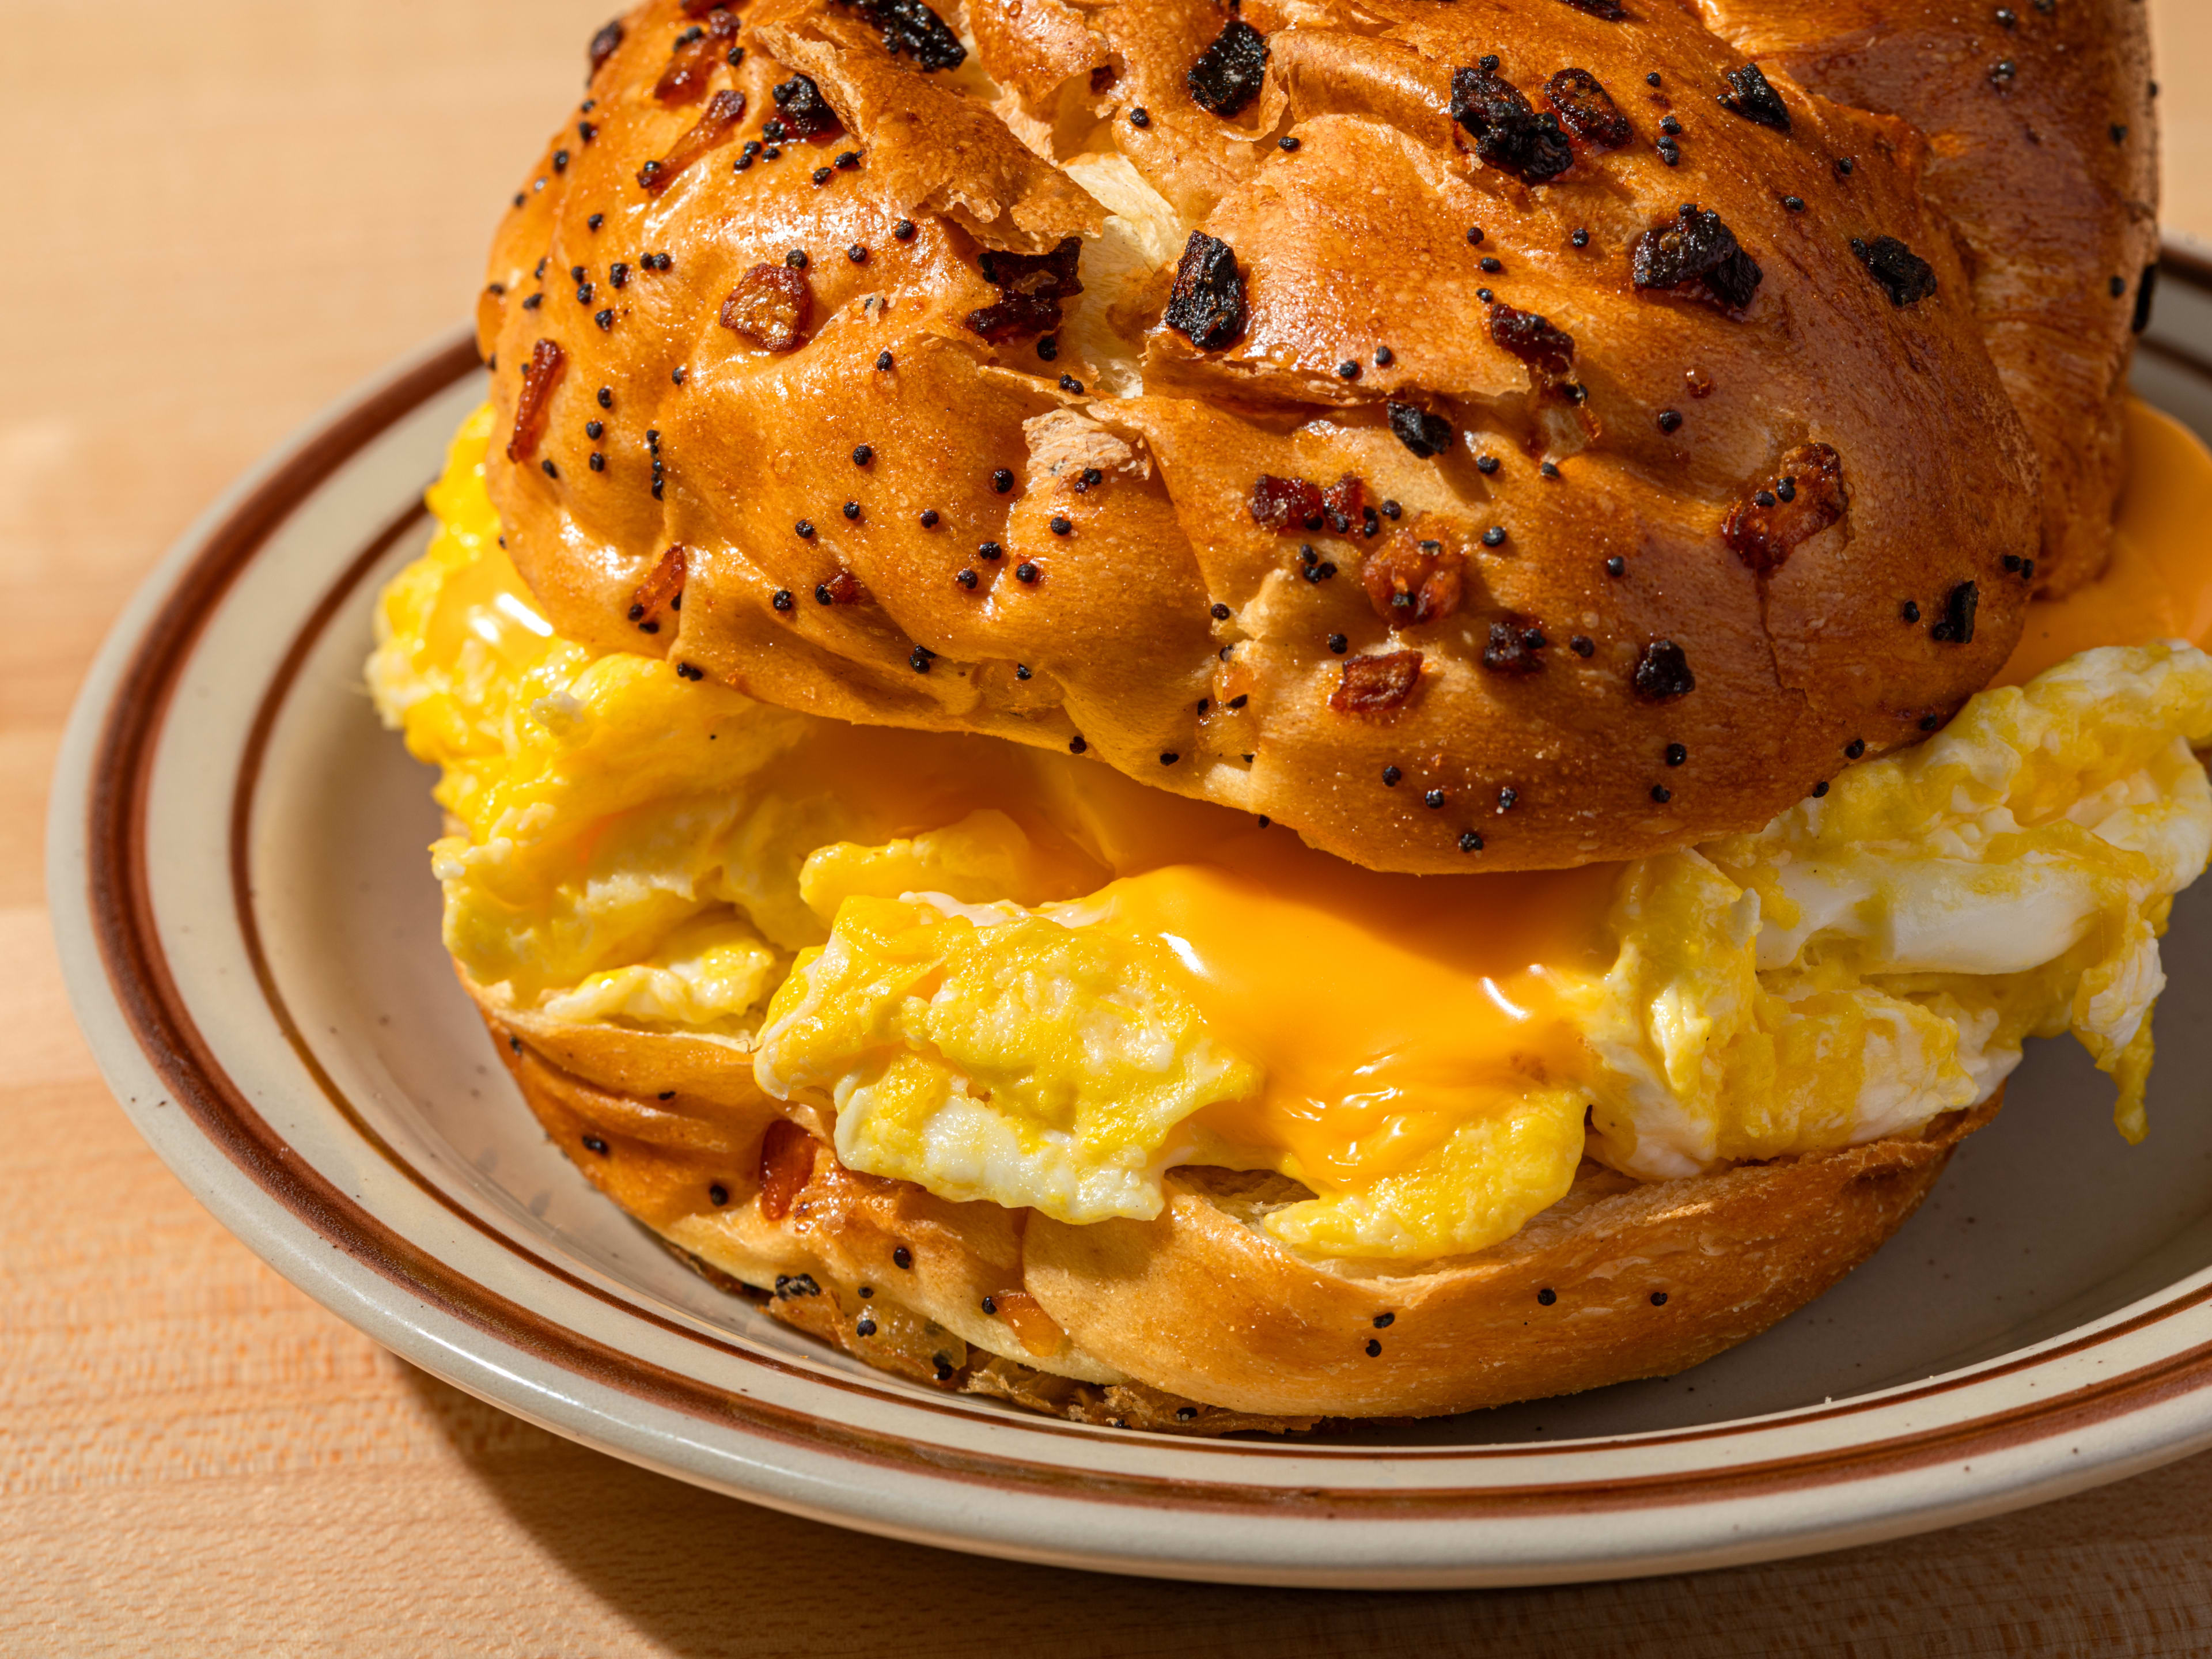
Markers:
point(1376, 416)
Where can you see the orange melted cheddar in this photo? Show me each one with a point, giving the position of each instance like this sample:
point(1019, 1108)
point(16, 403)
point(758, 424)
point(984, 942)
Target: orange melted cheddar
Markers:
point(1382, 1018)
point(1383, 1009)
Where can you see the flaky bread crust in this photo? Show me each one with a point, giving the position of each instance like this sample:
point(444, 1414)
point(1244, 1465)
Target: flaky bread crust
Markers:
point(1197, 1321)
point(1129, 559)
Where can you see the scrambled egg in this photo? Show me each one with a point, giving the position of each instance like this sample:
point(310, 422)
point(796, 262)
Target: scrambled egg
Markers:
point(999, 1049)
point(1018, 977)
point(1879, 954)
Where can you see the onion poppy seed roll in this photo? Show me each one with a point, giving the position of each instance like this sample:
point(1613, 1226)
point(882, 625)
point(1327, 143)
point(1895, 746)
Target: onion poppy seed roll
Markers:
point(1753, 404)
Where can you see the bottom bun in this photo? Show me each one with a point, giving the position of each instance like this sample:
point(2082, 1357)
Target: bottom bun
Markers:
point(1197, 1321)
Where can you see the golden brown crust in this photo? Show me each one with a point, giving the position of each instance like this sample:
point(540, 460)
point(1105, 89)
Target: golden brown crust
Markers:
point(1643, 1281)
point(1352, 245)
point(1197, 1321)
point(2044, 156)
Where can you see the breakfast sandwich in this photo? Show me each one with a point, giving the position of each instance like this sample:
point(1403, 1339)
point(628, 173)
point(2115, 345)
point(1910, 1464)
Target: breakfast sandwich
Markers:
point(1209, 716)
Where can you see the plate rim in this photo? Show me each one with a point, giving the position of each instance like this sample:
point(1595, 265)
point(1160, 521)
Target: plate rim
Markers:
point(152, 1055)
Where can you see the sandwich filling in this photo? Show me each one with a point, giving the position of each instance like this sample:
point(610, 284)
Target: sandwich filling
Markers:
point(1016, 976)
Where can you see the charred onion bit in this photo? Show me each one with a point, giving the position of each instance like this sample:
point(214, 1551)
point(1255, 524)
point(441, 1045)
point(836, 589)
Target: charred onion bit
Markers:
point(691, 65)
point(805, 113)
point(1208, 301)
point(787, 1164)
point(1344, 500)
point(534, 408)
point(1549, 352)
point(1611, 10)
point(769, 308)
point(1228, 73)
point(1903, 274)
point(1752, 96)
point(1662, 673)
point(1956, 625)
point(661, 592)
point(1509, 133)
point(1767, 526)
point(911, 26)
point(1410, 581)
point(1587, 110)
point(716, 122)
point(605, 43)
point(1425, 434)
point(1052, 275)
point(1031, 287)
point(1513, 647)
point(1286, 503)
point(1697, 251)
point(1377, 685)
point(843, 588)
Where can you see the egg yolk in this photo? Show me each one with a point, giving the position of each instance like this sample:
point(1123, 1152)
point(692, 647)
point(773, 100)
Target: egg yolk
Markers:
point(1017, 976)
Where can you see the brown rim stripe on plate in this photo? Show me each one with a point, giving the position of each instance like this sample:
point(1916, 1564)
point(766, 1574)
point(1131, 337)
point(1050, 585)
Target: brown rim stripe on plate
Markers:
point(137, 969)
point(2179, 356)
point(2178, 264)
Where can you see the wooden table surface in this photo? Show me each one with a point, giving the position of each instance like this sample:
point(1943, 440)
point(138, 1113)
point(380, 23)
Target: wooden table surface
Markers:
point(222, 215)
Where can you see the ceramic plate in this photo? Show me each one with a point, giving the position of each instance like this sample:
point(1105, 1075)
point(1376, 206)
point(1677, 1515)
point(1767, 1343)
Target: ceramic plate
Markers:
point(250, 931)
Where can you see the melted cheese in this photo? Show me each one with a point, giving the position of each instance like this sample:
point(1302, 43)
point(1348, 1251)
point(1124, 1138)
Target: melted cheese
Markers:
point(1018, 976)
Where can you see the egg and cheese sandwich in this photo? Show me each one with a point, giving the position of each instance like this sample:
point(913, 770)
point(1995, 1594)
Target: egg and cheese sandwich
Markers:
point(1208, 731)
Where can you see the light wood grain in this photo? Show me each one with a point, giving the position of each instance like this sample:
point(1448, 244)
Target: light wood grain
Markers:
point(218, 216)
point(2181, 33)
